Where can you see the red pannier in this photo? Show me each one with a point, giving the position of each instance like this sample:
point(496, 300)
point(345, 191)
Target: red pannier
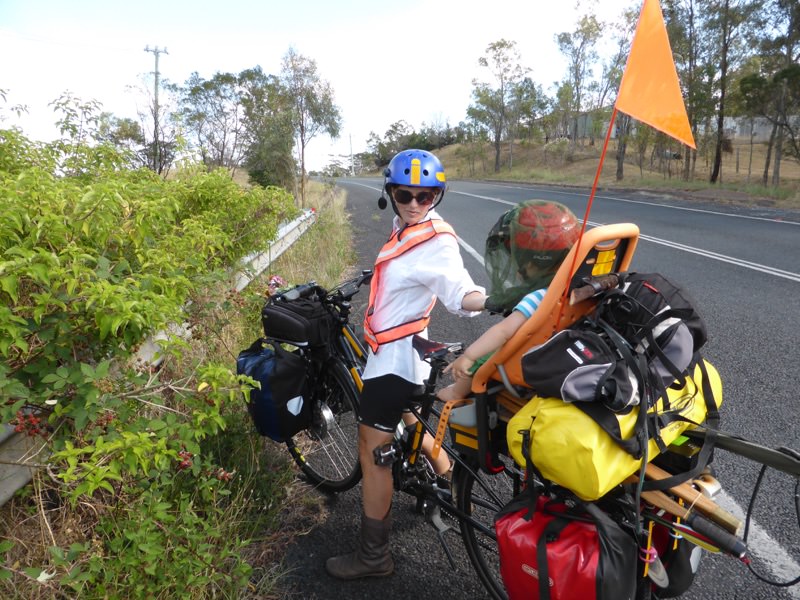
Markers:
point(580, 551)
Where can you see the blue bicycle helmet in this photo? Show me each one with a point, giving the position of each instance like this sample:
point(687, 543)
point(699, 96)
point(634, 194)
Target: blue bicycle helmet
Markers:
point(415, 168)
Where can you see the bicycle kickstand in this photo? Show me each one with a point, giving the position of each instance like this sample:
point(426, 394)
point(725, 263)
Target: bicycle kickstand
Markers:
point(434, 516)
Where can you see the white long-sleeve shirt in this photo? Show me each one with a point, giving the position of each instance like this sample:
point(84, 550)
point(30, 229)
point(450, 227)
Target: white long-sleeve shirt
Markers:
point(409, 283)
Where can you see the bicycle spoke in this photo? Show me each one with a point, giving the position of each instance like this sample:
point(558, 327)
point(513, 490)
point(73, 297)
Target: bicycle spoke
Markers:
point(328, 451)
point(481, 495)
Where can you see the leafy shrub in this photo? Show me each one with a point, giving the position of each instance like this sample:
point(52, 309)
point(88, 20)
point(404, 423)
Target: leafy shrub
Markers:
point(95, 258)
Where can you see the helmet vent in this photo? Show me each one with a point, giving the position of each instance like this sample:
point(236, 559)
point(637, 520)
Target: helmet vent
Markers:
point(425, 172)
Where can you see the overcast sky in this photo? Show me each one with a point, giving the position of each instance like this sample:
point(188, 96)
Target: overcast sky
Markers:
point(386, 61)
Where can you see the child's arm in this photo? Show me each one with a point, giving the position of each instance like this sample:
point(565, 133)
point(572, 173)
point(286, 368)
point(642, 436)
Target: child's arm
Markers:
point(492, 339)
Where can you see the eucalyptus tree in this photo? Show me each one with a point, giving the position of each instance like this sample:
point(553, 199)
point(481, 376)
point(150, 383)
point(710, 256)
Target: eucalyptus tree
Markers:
point(612, 71)
point(125, 134)
point(314, 109)
point(472, 137)
point(492, 100)
point(269, 133)
point(729, 25)
point(213, 113)
point(400, 135)
point(579, 48)
point(532, 105)
point(780, 58)
point(696, 75)
point(158, 121)
point(528, 104)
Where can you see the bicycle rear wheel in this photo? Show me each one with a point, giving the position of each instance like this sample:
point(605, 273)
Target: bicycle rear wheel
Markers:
point(327, 452)
point(481, 497)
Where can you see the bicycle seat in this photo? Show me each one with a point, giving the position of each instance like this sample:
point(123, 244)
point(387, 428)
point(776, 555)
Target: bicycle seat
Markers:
point(430, 349)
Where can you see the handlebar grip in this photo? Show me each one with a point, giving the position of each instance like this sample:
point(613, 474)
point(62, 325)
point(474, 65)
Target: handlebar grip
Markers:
point(592, 287)
point(727, 542)
point(301, 291)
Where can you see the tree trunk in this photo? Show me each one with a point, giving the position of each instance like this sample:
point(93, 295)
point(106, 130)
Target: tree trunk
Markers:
point(776, 170)
point(622, 145)
point(723, 79)
point(765, 178)
point(302, 167)
point(750, 160)
point(497, 154)
point(717, 167)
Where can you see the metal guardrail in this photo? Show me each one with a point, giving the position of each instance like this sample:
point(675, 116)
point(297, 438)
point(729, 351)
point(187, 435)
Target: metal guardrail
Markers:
point(19, 452)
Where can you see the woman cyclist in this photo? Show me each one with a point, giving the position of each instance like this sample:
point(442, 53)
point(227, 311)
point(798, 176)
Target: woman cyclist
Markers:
point(418, 265)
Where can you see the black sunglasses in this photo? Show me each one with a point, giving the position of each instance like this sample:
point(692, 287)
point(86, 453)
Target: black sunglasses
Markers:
point(423, 198)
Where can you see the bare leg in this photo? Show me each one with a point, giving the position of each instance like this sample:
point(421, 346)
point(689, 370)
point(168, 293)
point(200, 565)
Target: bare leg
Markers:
point(457, 390)
point(376, 485)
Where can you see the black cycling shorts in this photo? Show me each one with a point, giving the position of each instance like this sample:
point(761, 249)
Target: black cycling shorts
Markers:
point(384, 400)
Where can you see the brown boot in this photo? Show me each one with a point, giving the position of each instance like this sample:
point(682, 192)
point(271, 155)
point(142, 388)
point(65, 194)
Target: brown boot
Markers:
point(372, 559)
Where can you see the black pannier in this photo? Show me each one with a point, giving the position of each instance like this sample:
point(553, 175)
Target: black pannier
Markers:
point(301, 322)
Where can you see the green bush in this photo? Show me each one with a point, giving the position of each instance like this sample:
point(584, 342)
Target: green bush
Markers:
point(94, 258)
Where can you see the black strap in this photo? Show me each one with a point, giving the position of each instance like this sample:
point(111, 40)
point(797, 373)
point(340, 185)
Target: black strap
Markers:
point(549, 534)
point(712, 419)
point(530, 495)
point(636, 446)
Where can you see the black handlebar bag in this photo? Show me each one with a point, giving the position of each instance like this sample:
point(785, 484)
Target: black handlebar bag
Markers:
point(301, 322)
point(282, 406)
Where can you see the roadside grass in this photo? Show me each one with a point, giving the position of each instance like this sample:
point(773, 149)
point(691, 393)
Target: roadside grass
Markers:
point(253, 517)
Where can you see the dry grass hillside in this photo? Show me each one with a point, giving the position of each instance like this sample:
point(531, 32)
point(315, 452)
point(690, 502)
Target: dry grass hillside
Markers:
point(555, 163)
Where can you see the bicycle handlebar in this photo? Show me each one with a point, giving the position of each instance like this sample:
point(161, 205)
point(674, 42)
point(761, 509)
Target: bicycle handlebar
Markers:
point(344, 291)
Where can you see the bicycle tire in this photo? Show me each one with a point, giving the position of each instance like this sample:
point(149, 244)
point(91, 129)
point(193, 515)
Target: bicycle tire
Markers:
point(327, 451)
point(473, 499)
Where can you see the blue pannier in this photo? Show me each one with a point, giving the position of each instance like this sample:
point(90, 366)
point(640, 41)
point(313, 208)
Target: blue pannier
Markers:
point(282, 406)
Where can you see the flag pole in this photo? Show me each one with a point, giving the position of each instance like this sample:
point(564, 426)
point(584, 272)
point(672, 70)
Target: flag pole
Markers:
point(586, 215)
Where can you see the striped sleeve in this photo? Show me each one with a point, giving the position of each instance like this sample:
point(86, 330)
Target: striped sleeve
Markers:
point(528, 305)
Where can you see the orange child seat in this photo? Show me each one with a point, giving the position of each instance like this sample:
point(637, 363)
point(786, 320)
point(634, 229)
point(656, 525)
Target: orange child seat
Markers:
point(601, 250)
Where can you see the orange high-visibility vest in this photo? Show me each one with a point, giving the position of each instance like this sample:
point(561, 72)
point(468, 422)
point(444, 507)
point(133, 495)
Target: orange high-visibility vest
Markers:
point(412, 237)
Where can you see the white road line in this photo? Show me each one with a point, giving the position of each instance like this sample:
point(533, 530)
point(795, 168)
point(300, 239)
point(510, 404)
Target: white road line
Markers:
point(684, 208)
point(720, 257)
point(760, 545)
point(683, 247)
point(470, 250)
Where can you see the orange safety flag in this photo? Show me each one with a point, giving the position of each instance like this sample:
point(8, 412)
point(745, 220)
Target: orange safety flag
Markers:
point(649, 91)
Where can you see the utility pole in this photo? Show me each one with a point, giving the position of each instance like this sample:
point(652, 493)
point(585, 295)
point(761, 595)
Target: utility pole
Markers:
point(156, 138)
point(352, 164)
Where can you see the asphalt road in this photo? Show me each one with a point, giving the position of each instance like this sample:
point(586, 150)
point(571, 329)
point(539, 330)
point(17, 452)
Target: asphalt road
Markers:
point(740, 264)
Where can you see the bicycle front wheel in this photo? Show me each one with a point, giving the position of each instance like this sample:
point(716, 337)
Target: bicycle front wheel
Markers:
point(481, 495)
point(327, 451)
